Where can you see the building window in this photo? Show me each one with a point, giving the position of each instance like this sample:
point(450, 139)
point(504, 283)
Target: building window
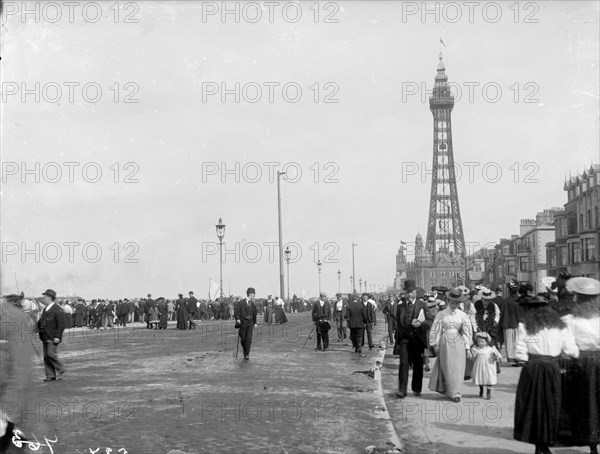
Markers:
point(524, 264)
point(511, 267)
point(581, 225)
point(562, 256)
point(575, 252)
point(596, 216)
point(589, 249)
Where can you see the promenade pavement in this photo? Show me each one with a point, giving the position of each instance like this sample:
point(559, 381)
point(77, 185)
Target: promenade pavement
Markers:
point(432, 423)
point(146, 391)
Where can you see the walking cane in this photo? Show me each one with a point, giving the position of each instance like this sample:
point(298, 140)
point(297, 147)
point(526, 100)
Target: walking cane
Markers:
point(238, 346)
point(309, 336)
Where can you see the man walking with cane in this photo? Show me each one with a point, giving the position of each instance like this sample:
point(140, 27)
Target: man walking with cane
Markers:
point(245, 319)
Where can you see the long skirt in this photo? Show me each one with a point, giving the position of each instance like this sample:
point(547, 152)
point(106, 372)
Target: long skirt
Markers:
point(447, 375)
point(538, 400)
point(182, 318)
point(585, 415)
point(510, 340)
point(268, 314)
point(163, 320)
point(280, 315)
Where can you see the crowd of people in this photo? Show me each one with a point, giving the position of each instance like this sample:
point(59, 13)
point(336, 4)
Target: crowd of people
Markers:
point(106, 314)
point(554, 336)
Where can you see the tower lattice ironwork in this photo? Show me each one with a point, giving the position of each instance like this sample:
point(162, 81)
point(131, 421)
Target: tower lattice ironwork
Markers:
point(444, 229)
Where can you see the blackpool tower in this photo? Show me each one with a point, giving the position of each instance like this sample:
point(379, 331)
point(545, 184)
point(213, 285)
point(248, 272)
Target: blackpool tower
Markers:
point(444, 230)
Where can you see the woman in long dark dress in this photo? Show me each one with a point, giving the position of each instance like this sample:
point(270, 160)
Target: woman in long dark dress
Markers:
point(584, 324)
point(542, 338)
point(279, 313)
point(182, 314)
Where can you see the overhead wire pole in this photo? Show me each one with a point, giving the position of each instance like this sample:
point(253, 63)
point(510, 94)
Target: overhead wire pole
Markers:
point(281, 274)
point(353, 273)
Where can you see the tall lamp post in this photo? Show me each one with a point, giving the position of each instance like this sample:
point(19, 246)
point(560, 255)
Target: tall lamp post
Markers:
point(366, 288)
point(287, 260)
point(353, 273)
point(220, 234)
point(319, 265)
point(351, 284)
point(360, 284)
point(281, 277)
point(339, 281)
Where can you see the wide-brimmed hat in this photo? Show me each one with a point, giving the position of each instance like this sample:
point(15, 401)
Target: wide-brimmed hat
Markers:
point(533, 300)
point(464, 290)
point(487, 294)
point(548, 281)
point(584, 286)
point(455, 294)
point(483, 335)
point(51, 293)
point(409, 285)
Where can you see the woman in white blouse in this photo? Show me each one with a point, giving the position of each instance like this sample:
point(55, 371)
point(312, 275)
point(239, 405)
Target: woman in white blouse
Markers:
point(450, 336)
point(542, 338)
point(584, 325)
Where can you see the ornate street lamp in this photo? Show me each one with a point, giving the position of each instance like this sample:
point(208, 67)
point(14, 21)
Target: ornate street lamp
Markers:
point(319, 265)
point(220, 234)
point(339, 281)
point(288, 253)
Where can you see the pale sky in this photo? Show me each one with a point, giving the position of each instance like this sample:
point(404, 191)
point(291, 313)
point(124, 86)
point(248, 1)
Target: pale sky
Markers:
point(371, 57)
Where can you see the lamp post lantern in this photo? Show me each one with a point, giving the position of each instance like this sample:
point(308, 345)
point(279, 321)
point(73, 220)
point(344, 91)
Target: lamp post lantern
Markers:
point(339, 281)
point(288, 253)
point(366, 288)
point(360, 284)
point(220, 235)
point(319, 265)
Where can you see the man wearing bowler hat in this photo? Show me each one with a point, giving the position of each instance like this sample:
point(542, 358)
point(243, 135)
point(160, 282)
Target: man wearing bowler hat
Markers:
point(413, 319)
point(50, 328)
point(245, 319)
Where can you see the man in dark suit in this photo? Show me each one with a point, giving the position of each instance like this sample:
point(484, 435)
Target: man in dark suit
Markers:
point(370, 310)
point(245, 319)
point(50, 328)
point(190, 305)
point(321, 317)
point(339, 315)
point(413, 319)
point(150, 304)
point(356, 315)
point(389, 310)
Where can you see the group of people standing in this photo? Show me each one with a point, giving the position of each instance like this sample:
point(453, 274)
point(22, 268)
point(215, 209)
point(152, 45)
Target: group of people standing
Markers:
point(557, 399)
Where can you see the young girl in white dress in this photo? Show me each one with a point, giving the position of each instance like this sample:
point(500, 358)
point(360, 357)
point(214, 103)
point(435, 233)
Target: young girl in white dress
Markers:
point(484, 367)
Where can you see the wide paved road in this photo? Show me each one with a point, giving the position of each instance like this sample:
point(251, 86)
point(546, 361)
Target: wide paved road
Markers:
point(169, 391)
